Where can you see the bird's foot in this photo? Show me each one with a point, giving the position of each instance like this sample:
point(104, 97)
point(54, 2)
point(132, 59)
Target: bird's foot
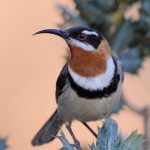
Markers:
point(76, 145)
point(76, 142)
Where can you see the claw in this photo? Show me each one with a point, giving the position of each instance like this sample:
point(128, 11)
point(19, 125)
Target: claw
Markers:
point(77, 145)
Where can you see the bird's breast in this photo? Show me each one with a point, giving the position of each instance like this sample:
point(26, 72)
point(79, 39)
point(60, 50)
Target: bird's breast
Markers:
point(72, 107)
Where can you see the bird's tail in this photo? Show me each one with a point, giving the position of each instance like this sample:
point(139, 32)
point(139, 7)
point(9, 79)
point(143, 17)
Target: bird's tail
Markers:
point(48, 132)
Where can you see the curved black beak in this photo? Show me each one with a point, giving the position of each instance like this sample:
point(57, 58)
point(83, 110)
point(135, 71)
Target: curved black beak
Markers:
point(60, 33)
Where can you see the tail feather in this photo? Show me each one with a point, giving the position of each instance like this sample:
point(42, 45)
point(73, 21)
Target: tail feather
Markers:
point(48, 132)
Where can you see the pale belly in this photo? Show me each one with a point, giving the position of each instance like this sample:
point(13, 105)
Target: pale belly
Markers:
point(71, 107)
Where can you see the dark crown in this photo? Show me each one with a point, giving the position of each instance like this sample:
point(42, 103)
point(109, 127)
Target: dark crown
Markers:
point(86, 35)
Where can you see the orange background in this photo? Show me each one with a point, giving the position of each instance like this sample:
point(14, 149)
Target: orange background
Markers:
point(29, 67)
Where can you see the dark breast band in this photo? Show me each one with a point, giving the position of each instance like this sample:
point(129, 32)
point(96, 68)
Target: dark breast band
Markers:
point(106, 92)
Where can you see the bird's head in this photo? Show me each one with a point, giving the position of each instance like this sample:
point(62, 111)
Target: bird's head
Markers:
point(89, 49)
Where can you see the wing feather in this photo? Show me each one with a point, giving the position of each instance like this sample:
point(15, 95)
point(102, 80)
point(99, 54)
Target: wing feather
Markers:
point(61, 81)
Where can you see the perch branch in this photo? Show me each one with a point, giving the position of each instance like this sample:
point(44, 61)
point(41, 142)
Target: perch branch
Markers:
point(145, 112)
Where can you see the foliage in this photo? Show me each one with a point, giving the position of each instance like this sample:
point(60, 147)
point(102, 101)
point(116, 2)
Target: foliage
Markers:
point(3, 144)
point(109, 139)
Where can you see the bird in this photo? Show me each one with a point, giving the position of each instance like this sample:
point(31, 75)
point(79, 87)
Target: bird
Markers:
point(89, 84)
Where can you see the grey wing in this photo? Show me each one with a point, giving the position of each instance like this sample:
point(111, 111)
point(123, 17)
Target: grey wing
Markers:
point(120, 69)
point(61, 81)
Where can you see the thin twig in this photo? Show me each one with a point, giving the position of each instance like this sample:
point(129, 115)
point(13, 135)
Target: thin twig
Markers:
point(132, 106)
point(145, 112)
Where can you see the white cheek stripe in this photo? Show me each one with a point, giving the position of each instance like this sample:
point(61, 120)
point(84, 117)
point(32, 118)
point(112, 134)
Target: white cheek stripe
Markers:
point(98, 82)
point(89, 32)
point(85, 46)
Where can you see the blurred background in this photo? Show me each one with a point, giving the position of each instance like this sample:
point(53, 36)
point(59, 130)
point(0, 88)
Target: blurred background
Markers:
point(29, 67)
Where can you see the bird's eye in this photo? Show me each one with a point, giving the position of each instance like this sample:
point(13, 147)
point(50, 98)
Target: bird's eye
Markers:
point(82, 36)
